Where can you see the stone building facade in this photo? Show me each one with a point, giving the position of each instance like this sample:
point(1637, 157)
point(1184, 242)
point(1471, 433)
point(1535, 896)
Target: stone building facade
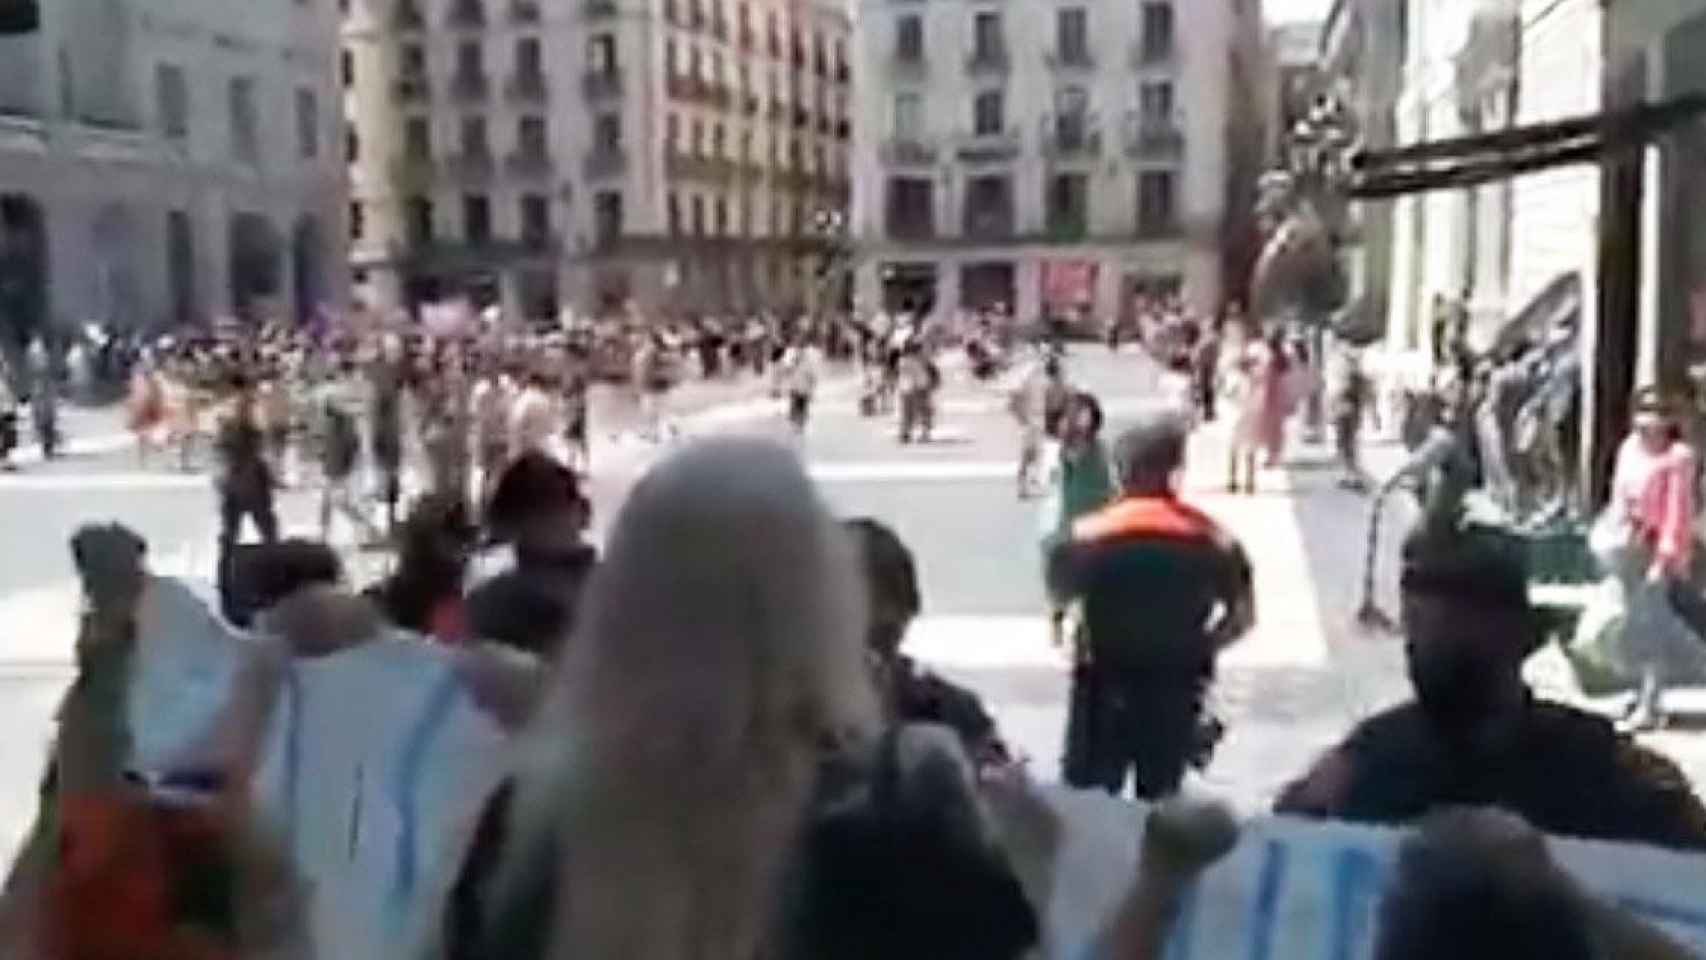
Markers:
point(1050, 159)
point(168, 162)
point(675, 154)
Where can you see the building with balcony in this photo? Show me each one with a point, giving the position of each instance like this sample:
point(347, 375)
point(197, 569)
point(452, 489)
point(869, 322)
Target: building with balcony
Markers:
point(165, 162)
point(1055, 160)
point(591, 153)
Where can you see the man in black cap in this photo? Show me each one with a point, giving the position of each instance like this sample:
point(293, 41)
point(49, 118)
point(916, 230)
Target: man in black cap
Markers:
point(1474, 735)
point(1163, 589)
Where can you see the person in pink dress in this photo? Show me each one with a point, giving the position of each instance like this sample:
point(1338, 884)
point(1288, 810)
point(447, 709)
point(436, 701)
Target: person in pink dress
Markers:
point(1645, 541)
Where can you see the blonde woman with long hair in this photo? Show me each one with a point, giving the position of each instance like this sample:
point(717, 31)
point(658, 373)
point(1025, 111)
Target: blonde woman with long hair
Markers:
point(719, 658)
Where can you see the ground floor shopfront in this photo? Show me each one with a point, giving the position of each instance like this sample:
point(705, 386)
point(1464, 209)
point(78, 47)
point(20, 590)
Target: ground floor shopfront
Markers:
point(1096, 283)
point(131, 244)
point(657, 277)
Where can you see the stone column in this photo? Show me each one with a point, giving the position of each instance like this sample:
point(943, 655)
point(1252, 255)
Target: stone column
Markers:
point(1028, 297)
point(947, 289)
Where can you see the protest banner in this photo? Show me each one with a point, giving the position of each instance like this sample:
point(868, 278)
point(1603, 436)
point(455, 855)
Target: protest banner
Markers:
point(1296, 889)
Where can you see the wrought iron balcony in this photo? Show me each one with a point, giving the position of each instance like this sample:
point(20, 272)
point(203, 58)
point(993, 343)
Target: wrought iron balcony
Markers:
point(1071, 141)
point(602, 84)
point(910, 226)
point(909, 152)
point(1070, 58)
point(1154, 137)
point(991, 60)
point(525, 11)
point(411, 89)
point(467, 14)
point(529, 163)
point(475, 166)
point(529, 86)
point(679, 165)
point(411, 173)
point(906, 65)
point(466, 86)
point(600, 9)
point(989, 147)
point(539, 240)
point(605, 160)
point(987, 222)
point(1153, 54)
point(1063, 224)
point(1155, 225)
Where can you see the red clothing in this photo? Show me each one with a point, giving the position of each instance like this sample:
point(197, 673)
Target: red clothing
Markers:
point(1655, 494)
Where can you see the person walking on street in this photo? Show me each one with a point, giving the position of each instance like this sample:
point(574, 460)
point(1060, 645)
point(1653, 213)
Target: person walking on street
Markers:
point(243, 481)
point(1038, 405)
point(799, 375)
point(389, 376)
point(44, 398)
point(918, 382)
point(340, 454)
point(1350, 406)
point(1080, 482)
point(1163, 589)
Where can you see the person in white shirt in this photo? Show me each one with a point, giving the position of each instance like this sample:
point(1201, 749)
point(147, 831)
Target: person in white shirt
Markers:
point(533, 420)
point(799, 379)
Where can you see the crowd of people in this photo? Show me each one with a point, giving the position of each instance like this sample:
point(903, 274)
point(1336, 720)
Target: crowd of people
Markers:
point(553, 763)
point(698, 743)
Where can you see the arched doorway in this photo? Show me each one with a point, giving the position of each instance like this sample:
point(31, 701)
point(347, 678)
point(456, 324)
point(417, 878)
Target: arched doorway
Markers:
point(23, 276)
point(115, 291)
point(255, 263)
point(308, 267)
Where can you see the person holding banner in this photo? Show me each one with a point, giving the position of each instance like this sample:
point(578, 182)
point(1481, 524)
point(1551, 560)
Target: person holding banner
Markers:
point(1475, 735)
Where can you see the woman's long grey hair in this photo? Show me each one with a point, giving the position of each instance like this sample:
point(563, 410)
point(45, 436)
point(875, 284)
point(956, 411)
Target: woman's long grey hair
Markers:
point(720, 652)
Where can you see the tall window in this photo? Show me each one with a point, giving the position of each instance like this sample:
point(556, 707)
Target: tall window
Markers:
point(1068, 202)
point(417, 138)
point(607, 131)
point(1158, 39)
point(908, 116)
point(346, 67)
point(674, 204)
point(1157, 211)
point(420, 216)
point(529, 61)
point(474, 140)
point(989, 113)
point(601, 54)
point(608, 213)
point(1072, 34)
point(470, 58)
point(672, 132)
point(909, 38)
point(536, 219)
point(477, 218)
point(531, 137)
point(352, 145)
point(245, 137)
point(986, 36)
point(307, 124)
point(413, 62)
point(357, 220)
point(720, 215)
point(698, 205)
point(173, 96)
point(1072, 109)
point(1155, 103)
